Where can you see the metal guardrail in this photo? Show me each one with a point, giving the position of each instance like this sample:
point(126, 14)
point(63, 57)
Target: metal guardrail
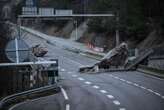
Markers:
point(151, 71)
point(26, 93)
point(160, 57)
point(140, 58)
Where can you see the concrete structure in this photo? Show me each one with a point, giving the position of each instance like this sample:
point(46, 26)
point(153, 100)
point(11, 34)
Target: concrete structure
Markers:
point(156, 62)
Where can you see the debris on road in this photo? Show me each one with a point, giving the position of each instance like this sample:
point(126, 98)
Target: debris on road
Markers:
point(117, 57)
point(39, 51)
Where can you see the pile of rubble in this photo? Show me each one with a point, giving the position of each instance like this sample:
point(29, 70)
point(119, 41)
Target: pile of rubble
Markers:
point(115, 58)
point(39, 51)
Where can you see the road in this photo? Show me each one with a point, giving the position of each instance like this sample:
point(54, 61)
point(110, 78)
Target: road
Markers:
point(106, 91)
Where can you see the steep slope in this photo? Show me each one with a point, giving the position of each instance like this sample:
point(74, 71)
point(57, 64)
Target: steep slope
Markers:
point(152, 40)
point(79, 31)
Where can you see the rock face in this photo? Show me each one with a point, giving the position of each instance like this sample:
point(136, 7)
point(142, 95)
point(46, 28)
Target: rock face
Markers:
point(115, 58)
point(39, 51)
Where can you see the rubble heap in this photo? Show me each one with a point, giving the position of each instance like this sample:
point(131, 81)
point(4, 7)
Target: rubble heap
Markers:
point(39, 51)
point(115, 58)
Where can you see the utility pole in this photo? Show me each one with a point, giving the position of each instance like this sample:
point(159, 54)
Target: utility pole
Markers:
point(117, 30)
point(75, 25)
point(76, 28)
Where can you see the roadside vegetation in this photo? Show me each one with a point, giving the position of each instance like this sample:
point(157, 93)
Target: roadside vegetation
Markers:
point(137, 18)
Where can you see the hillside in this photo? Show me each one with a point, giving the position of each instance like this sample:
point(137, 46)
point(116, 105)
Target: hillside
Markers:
point(138, 19)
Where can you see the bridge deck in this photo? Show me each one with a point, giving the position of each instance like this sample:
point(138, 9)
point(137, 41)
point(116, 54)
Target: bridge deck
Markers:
point(72, 15)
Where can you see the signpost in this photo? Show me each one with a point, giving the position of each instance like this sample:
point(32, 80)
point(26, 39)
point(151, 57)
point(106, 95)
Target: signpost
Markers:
point(17, 50)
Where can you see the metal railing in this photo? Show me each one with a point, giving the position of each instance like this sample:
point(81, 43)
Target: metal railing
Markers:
point(7, 100)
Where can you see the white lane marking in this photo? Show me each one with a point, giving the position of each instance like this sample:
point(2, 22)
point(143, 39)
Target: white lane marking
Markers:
point(122, 109)
point(62, 70)
point(128, 82)
point(67, 107)
point(87, 82)
point(69, 72)
point(156, 93)
point(103, 91)
point(64, 93)
point(96, 87)
point(110, 96)
point(116, 102)
point(135, 84)
point(162, 97)
point(153, 77)
point(123, 80)
point(116, 77)
point(150, 90)
point(142, 87)
point(74, 75)
point(81, 79)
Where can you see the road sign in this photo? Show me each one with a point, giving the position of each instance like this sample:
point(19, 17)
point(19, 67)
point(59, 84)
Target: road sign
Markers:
point(17, 50)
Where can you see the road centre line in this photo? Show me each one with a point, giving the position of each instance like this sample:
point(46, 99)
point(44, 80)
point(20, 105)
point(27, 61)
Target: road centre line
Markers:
point(142, 87)
point(128, 82)
point(158, 94)
point(64, 93)
point(96, 87)
point(137, 85)
point(62, 70)
point(87, 82)
point(116, 102)
point(70, 72)
point(110, 96)
point(150, 90)
point(162, 97)
point(67, 107)
point(81, 79)
point(66, 97)
point(103, 91)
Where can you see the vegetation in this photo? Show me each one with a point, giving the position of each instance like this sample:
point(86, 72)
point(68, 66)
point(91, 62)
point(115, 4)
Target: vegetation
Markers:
point(136, 17)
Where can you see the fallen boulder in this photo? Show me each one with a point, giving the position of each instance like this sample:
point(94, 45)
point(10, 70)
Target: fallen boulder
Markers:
point(114, 58)
point(39, 51)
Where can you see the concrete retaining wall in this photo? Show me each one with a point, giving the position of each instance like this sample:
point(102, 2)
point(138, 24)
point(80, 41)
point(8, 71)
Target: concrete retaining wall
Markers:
point(156, 62)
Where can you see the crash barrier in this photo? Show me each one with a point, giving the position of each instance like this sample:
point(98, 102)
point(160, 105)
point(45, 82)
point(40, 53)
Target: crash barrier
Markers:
point(9, 99)
point(31, 76)
point(151, 71)
point(140, 58)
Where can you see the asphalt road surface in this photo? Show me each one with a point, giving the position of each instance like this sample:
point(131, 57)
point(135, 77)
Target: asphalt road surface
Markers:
point(106, 91)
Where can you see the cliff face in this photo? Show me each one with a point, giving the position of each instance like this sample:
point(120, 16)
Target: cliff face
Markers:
point(136, 17)
point(154, 39)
